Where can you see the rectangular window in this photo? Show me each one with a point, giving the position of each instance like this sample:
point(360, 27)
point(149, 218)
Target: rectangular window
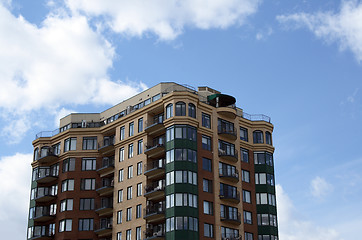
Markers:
point(248, 236)
point(120, 196)
point(206, 164)
point(121, 154)
point(56, 149)
point(244, 155)
point(138, 233)
point(208, 230)
point(207, 185)
point(129, 214)
point(70, 144)
point(65, 225)
point(88, 164)
point(139, 168)
point(85, 224)
point(86, 204)
point(244, 134)
point(68, 185)
point(119, 236)
point(140, 125)
point(139, 211)
point(122, 133)
point(246, 196)
point(129, 193)
point(66, 205)
point(140, 147)
point(247, 217)
point(69, 165)
point(139, 189)
point(119, 217)
point(208, 208)
point(120, 175)
point(130, 172)
point(245, 176)
point(131, 129)
point(88, 184)
point(128, 234)
point(206, 142)
point(206, 122)
point(130, 150)
point(89, 143)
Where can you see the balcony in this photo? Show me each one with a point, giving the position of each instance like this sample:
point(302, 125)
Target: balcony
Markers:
point(233, 218)
point(40, 233)
point(230, 236)
point(107, 166)
point(47, 155)
point(154, 232)
point(225, 104)
point(155, 168)
point(44, 194)
point(229, 174)
point(105, 187)
point(229, 154)
point(43, 214)
point(106, 145)
point(104, 228)
point(46, 175)
point(233, 197)
point(155, 212)
point(155, 125)
point(104, 207)
point(227, 132)
point(156, 148)
point(155, 190)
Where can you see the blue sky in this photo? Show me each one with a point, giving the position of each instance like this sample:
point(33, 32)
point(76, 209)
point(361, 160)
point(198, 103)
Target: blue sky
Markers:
point(299, 62)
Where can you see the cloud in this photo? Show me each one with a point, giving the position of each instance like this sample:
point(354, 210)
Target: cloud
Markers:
point(344, 27)
point(263, 34)
point(293, 227)
point(320, 188)
point(165, 18)
point(15, 176)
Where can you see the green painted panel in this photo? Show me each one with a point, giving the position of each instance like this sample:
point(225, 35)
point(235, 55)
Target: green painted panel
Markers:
point(264, 188)
point(181, 165)
point(181, 143)
point(266, 209)
point(182, 211)
point(268, 230)
point(263, 168)
point(182, 234)
point(181, 188)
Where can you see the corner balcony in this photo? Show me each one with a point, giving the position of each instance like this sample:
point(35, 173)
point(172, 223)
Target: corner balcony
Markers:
point(154, 213)
point(105, 187)
point(106, 145)
point(44, 194)
point(104, 228)
point(155, 168)
point(107, 166)
point(156, 148)
point(227, 132)
point(47, 155)
point(231, 175)
point(227, 154)
point(43, 214)
point(105, 207)
point(233, 197)
point(155, 190)
point(154, 232)
point(155, 125)
point(233, 218)
point(46, 175)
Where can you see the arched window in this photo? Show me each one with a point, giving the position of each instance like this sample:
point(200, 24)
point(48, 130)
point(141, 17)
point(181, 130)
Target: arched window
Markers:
point(192, 110)
point(258, 136)
point(180, 109)
point(169, 110)
point(36, 154)
point(268, 139)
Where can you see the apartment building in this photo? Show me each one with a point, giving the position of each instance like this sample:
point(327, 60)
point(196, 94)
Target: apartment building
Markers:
point(171, 162)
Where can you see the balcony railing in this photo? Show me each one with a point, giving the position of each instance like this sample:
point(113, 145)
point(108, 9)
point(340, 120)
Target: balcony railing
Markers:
point(155, 167)
point(229, 154)
point(107, 164)
point(154, 121)
point(46, 174)
point(256, 117)
point(231, 217)
point(40, 232)
point(43, 194)
point(233, 196)
point(106, 144)
point(230, 236)
point(154, 231)
point(229, 132)
point(155, 186)
point(231, 173)
point(158, 208)
point(104, 227)
point(105, 186)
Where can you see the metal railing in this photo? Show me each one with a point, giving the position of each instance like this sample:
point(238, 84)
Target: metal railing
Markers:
point(230, 216)
point(156, 142)
point(256, 117)
point(157, 164)
point(227, 130)
point(157, 208)
point(155, 186)
point(230, 195)
point(228, 172)
point(105, 182)
point(226, 152)
point(107, 141)
point(154, 231)
point(106, 162)
point(43, 172)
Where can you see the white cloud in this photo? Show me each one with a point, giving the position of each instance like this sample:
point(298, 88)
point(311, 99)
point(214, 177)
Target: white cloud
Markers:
point(15, 176)
point(344, 27)
point(293, 227)
point(263, 34)
point(16, 129)
point(320, 188)
point(165, 18)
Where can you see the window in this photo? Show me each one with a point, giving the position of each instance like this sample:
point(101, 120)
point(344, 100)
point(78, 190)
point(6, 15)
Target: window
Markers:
point(85, 224)
point(121, 154)
point(88, 184)
point(36, 154)
point(228, 170)
point(130, 172)
point(129, 193)
point(180, 109)
point(208, 208)
point(138, 233)
point(129, 214)
point(89, 143)
point(246, 196)
point(261, 198)
point(245, 176)
point(228, 212)
point(264, 178)
point(120, 175)
point(268, 138)
point(228, 190)
point(258, 137)
point(139, 211)
point(181, 132)
point(140, 125)
point(88, 164)
point(206, 122)
point(181, 177)
point(229, 233)
point(248, 236)
point(119, 236)
point(66, 205)
point(130, 150)
point(56, 149)
point(119, 217)
point(86, 204)
point(271, 199)
point(244, 155)
point(206, 164)
point(192, 110)
point(208, 230)
point(70, 144)
point(122, 133)
point(206, 142)
point(128, 234)
point(181, 199)
point(139, 168)
point(169, 111)
point(139, 189)
point(263, 158)
point(244, 134)
point(140, 147)
point(120, 196)
point(68, 185)
point(207, 185)
point(247, 217)
point(156, 97)
point(69, 165)
point(226, 148)
point(131, 129)
point(65, 225)
point(267, 219)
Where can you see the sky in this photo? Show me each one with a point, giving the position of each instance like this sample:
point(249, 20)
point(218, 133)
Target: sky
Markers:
point(299, 62)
